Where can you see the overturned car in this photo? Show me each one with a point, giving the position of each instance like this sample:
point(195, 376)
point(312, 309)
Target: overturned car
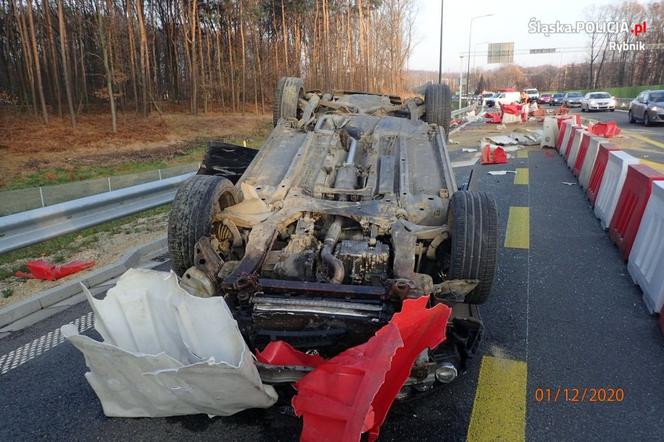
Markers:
point(348, 209)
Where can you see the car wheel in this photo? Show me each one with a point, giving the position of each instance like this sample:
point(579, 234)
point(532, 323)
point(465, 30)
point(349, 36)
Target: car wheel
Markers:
point(582, 109)
point(611, 110)
point(630, 116)
point(437, 106)
point(646, 119)
point(286, 98)
point(196, 202)
point(473, 221)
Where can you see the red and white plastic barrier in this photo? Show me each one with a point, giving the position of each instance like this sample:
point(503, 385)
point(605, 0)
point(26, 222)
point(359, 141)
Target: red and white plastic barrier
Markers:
point(589, 161)
point(569, 139)
point(646, 261)
point(581, 155)
point(563, 135)
point(576, 145)
point(598, 171)
point(631, 205)
point(611, 185)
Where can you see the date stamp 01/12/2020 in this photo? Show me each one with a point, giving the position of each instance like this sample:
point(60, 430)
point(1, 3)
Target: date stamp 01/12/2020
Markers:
point(597, 395)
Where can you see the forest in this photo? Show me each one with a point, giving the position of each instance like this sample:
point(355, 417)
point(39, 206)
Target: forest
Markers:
point(64, 57)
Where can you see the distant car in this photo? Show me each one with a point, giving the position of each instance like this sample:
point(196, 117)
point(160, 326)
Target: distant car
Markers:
point(487, 97)
point(544, 99)
point(647, 107)
point(598, 101)
point(573, 99)
point(504, 98)
point(533, 94)
point(557, 99)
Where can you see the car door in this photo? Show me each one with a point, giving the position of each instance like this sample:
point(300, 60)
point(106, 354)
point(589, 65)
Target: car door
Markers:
point(640, 106)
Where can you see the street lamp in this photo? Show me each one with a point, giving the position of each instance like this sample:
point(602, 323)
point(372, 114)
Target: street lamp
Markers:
point(440, 54)
point(470, 34)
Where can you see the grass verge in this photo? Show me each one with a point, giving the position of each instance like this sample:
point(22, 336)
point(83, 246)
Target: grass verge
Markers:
point(62, 247)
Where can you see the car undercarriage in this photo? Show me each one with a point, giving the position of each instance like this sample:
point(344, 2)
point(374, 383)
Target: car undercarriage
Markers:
point(349, 208)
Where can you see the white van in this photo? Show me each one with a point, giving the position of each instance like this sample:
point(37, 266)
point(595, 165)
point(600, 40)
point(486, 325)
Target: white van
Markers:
point(504, 98)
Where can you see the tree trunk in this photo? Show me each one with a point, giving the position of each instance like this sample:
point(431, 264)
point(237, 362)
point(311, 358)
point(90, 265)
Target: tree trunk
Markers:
point(65, 62)
point(103, 44)
point(35, 56)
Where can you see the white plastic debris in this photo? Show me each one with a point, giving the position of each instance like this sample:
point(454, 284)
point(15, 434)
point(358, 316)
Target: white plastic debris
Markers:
point(567, 183)
point(468, 149)
point(166, 352)
point(501, 172)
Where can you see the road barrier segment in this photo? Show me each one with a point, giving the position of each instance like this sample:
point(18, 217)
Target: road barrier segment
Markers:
point(598, 171)
point(34, 226)
point(626, 196)
point(580, 157)
point(611, 185)
point(576, 146)
point(632, 203)
point(589, 160)
point(646, 260)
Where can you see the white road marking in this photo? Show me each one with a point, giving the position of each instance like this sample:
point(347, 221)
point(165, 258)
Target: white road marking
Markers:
point(40, 345)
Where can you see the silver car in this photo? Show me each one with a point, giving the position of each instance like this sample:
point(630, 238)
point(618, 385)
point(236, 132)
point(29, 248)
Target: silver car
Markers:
point(573, 99)
point(647, 107)
point(598, 101)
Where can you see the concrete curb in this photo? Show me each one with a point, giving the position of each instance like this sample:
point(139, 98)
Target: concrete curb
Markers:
point(57, 294)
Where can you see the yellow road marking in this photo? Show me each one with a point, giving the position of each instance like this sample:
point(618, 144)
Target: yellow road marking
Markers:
point(518, 228)
point(645, 139)
point(499, 410)
point(521, 176)
point(522, 154)
point(655, 165)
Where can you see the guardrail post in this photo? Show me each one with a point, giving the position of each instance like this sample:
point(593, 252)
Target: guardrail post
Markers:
point(109, 184)
point(41, 196)
point(159, 170)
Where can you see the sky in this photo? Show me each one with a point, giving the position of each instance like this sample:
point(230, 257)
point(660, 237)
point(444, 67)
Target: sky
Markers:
point(509, 23)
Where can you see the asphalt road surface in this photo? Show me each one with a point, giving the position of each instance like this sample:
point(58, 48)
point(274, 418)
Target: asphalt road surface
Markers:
point(564, 319)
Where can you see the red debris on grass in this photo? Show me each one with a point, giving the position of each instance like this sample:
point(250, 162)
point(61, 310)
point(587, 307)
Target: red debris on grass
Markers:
point(44, 270)
point(351, 393)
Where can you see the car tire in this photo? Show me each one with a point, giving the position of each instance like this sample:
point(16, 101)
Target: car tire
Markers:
point(630, 116)
point(473, 221)
point(646, 119)
point(582, 109)
point(611, 110)
point(196, 202)
point(437, 106)
point(287, 96)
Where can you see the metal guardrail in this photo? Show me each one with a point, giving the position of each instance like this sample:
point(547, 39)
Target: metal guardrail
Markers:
point(462, 111)
point(34, 226)
point(20, 200)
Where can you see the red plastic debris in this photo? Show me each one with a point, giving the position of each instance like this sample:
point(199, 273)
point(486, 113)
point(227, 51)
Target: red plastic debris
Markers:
point(41, 269)
point(494, 117)
point(514, 109)
point(607, 129)
point(496, 155)
point(581, 156)
point(351, 393)
point(598, 170)
point(631, 205)
point(281, 353)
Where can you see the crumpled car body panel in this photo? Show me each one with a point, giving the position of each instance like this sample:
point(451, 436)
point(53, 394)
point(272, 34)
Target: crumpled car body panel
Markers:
point(351, 393)
point(167, 353)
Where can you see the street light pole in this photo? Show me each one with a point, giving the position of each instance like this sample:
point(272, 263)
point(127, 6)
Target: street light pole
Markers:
point(460, 79)
point(470, 35)
point(440, 53)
